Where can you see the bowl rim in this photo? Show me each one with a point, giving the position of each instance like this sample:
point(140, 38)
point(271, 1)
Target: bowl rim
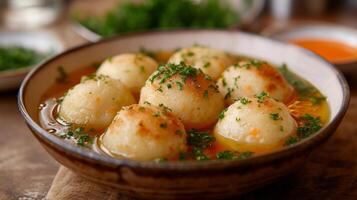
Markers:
point(90, 156)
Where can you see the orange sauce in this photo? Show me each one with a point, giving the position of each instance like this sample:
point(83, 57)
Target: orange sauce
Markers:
point(333, 51)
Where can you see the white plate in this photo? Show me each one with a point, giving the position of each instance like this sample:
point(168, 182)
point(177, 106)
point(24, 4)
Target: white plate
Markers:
point(42, 42)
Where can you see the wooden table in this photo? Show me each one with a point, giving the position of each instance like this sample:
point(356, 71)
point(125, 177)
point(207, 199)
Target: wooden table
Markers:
point(26, 170)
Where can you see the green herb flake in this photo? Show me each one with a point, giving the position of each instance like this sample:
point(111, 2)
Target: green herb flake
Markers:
point(78, 135)
point(200, 139)
point(275, 116)
point(221, 115)
point(244, 101)
point(317, 100)
point(261, 96)
point(233, 155)
point(229, 93)
point(310, 126)
point(291, 140)
point(147, 103)
point(224, 82)
point(206, 65)
point(179, 85)
point(205, 94)
point(163, 125)
point(304, 88)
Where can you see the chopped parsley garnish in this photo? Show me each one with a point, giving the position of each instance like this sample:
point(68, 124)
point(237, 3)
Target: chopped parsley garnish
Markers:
point(261, 96)
point(229, 93)
point(275, 116)
point(163, 125)
point(179, 85)
point(78, 135)
point(303, 87)
point(291, 140)
point(250, 63)
point(221, 115)
point(205, 94)
point(198, 141)
point(236, 81)
point(233, 155)
point(199, 154)
point(224, 82)
point(244, 101)
point(164, 72)
point(190, 53)
point(147, 103)
point(317, 100)
point(206, 65)
point(309, 126)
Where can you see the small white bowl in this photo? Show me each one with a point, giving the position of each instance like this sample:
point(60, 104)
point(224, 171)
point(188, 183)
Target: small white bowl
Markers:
point(316, 30)
point(42, 42)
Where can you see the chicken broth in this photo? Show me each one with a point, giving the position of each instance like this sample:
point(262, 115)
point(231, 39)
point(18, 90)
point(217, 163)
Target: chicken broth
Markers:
point(306, 105)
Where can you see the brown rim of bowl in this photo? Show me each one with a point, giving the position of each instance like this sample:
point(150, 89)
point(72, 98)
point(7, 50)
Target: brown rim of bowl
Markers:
point(96, 158)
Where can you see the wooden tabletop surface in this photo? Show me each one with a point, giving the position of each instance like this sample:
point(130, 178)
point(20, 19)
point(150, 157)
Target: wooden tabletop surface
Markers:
point(26, 170)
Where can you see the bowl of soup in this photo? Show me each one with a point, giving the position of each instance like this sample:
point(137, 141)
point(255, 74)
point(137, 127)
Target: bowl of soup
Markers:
point(336, 44)
point(162, 114)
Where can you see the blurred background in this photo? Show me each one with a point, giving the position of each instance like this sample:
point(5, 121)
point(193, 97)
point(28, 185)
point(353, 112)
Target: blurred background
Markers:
point(33, 30)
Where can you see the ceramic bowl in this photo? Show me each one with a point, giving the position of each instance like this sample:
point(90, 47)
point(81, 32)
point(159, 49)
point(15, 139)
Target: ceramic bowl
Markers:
point(318, 30)
point(189, 179)
point(42, 42)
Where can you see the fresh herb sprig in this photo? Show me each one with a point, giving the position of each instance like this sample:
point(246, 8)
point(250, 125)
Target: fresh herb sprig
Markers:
point(79, 136)
point(199, 141)
point(309, 126)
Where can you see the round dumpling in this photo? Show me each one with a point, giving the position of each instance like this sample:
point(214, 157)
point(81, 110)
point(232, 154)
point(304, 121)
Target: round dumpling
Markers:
point(255, 124)
point(145, 132)
point(251, 77)
point(94, 102)
point(130, 69)
point(190, 94)
point(210, 61)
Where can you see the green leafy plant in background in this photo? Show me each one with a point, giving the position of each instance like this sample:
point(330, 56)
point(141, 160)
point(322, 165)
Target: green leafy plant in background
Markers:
point(16, 57)
point(161, 14)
